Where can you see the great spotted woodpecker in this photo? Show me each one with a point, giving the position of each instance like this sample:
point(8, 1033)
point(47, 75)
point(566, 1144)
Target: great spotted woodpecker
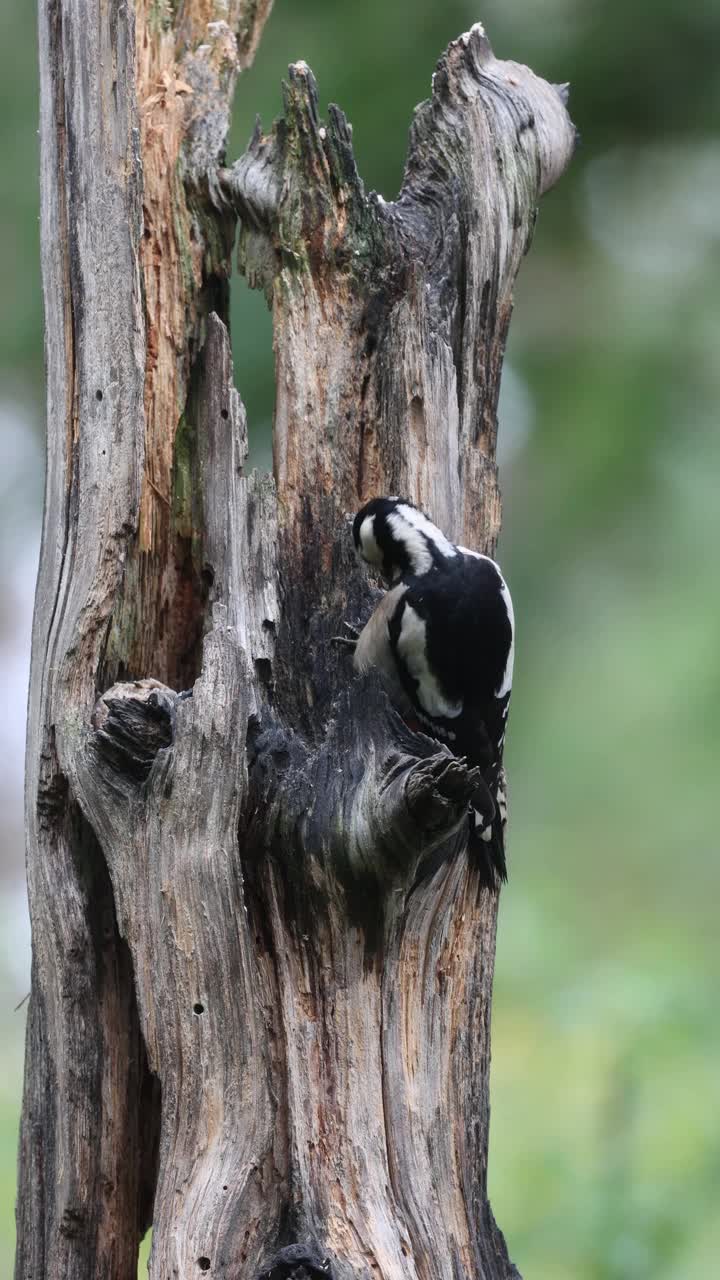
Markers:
point(443, 638)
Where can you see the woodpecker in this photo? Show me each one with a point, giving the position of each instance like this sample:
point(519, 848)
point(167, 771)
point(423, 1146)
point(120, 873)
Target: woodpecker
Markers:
point(443, 638)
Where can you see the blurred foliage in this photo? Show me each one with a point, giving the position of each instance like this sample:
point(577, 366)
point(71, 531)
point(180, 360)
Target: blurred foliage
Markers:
point(605, 1158)
point(21, 310)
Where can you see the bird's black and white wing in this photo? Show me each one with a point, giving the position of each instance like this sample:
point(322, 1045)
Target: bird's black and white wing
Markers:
point(444, 641)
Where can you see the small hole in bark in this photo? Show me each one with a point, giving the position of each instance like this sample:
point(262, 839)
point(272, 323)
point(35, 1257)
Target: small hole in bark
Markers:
point(98, 395)
point(198, 1008)
point(204, 1264)
point(225, 1186)
point(208, 575)
point(269, 625)
point(417, 419)
point(263, 668)
point(224, 415)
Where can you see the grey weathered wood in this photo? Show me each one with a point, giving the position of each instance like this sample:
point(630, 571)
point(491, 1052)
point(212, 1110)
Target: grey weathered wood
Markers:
point(262, 964)
point(90, 1115)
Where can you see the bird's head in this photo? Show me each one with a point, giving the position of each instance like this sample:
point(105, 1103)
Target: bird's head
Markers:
point(394, 537)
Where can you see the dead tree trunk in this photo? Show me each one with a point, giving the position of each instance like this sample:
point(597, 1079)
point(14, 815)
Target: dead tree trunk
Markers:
point(262, 966)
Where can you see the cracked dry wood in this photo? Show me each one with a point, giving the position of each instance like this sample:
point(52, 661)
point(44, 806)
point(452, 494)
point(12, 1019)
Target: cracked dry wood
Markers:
point(90, 1115)
point(262, 965)
point(187, 60)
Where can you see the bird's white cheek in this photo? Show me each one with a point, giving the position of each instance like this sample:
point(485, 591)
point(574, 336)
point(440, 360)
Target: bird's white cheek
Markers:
point(369, 549)
point(419, 521)
point(413, 542)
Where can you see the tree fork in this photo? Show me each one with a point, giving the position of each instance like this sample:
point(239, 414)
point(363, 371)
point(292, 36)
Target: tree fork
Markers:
point(262, 967)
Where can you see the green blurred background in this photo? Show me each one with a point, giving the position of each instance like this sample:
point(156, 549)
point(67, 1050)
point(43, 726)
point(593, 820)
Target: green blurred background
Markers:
point(605, 1139)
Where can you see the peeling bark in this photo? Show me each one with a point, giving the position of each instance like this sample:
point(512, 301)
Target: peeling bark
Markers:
point(262, 965)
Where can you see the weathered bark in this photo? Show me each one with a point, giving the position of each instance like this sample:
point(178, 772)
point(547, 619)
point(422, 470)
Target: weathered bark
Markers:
point(262, 964)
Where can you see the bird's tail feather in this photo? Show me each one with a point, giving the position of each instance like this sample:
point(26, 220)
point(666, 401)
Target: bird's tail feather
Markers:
point(486, 850)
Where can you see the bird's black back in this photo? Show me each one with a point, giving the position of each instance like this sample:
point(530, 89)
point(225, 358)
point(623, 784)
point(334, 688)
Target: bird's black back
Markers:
point(468, 637)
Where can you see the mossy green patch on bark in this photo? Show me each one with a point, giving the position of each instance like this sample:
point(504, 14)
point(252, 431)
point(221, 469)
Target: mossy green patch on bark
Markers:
point(184, 470)
point(160, 16)
point(125, 626)
point(182, 236)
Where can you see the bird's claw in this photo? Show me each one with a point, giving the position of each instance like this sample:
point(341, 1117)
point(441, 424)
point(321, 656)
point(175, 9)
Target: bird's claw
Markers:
point(350, 640)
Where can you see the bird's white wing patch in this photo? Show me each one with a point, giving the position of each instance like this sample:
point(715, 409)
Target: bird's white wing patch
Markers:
point(506, 683)
point(412, 651)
